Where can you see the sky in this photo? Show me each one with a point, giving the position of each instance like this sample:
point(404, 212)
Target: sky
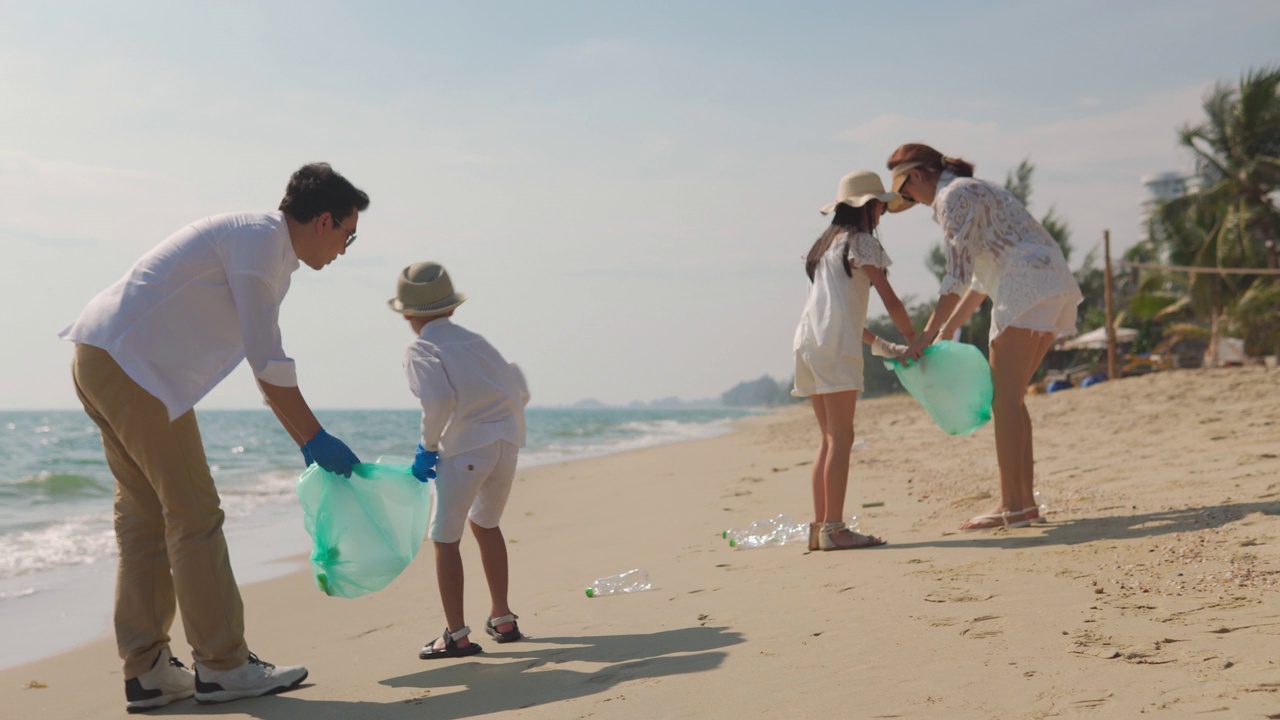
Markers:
point(625, 190)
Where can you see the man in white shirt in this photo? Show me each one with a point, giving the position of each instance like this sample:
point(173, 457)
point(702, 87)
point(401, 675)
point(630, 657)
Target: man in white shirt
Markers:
point(148, 348)
point(473, 421)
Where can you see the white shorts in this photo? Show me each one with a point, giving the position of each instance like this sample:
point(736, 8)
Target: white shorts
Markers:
point(819, 372)
point(472, 485)
point(1056, 315)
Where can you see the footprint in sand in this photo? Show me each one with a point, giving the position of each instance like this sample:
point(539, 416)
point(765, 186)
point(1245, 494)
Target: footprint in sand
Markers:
point(955, 596)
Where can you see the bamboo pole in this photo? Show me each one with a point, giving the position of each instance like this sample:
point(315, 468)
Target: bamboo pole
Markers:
point(1208, 270)
point(1112, 374)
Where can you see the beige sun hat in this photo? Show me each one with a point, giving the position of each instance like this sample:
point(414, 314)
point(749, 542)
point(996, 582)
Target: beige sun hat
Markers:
point(859, 188)
point(423, 290)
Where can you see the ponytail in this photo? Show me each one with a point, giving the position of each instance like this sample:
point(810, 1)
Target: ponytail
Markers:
point(960, 168)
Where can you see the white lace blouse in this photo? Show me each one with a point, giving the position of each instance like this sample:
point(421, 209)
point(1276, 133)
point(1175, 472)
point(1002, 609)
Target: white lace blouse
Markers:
point(996, 247)
point(836, 310)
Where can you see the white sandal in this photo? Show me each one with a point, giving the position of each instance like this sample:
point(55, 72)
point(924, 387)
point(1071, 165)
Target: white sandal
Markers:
point(826, 539)
point(1003, 517)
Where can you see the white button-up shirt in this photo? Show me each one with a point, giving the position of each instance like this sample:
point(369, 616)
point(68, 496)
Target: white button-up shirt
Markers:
point(470, 395)
point(996, 247)
point(197, 304)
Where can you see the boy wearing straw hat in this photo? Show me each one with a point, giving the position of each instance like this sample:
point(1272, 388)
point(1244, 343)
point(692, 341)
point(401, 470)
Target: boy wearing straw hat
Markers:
point(473, 425)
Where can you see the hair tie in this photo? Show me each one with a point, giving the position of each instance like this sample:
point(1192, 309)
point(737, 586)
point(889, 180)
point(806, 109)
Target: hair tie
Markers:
point(947, 160)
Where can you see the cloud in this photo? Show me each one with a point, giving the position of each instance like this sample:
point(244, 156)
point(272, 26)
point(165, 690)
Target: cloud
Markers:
point(59, 203)
point(1141, 135)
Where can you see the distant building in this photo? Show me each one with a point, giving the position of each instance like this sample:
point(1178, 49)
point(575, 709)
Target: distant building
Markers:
point(1165, 186)
point(1162, 187)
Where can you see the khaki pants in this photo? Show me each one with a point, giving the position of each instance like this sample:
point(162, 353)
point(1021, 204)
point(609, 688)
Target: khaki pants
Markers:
point(168, 523)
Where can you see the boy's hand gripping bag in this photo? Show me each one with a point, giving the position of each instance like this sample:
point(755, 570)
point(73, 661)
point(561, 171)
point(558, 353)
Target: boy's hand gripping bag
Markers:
point(952, 381)
point(366, 529)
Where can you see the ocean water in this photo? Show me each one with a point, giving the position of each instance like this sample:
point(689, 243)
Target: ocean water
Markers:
point(57, 546)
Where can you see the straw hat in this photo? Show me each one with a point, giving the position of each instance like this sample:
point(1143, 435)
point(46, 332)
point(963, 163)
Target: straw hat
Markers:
point(859, 188)
point(423, 290)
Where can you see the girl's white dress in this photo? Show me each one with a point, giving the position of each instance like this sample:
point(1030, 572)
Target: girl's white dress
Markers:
point(996, 247)
point(828, 342)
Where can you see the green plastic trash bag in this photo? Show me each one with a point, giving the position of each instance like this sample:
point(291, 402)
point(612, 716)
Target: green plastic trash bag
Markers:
point(953, 384)
point(365, 529)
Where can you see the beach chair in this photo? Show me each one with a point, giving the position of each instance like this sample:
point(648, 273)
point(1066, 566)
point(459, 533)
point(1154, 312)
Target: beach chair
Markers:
point(1161, 357)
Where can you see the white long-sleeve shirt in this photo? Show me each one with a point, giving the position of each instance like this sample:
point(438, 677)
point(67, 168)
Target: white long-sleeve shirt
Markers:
point(996, 247)
point(471, 396)
point(192, 308)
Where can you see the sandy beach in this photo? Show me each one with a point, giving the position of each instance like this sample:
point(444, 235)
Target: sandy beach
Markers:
point(1154, 588)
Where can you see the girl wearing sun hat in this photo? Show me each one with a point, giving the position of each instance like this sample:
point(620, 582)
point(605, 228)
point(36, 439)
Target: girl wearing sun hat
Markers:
point(995, 249)
point(843, 265)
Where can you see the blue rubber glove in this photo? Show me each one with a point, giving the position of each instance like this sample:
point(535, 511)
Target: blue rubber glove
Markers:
point(306, 457)
point(424, 463)
point(330, 453)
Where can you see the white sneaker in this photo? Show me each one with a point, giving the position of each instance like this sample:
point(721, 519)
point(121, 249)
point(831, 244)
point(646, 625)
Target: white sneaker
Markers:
point(251, 679)
point(167, 681)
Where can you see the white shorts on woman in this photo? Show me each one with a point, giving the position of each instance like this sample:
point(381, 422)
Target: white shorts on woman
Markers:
point(472, 485)
point(1055, 315)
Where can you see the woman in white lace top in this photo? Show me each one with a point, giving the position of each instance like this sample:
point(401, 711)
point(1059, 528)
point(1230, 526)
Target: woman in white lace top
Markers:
point(843, 265)
point(995, 249)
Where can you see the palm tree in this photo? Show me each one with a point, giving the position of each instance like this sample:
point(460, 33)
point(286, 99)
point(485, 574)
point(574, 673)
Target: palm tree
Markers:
point(1237, 155)
point(1231, 220)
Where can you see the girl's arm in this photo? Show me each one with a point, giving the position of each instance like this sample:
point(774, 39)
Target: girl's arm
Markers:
point(969, 304)
point(881, 347)
point(946, 306)
point(897, 312)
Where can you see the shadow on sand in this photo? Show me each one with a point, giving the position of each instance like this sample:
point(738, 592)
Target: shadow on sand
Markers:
point(1117, 527)
point(528, 678)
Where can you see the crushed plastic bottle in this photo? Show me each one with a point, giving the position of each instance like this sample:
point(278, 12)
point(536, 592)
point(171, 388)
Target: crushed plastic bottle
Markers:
point(770, 532)
point(630, 581)
point(1041, 504)
point(774, 532)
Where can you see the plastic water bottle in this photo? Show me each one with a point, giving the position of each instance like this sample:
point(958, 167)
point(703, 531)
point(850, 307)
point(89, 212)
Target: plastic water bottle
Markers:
point(756, 534)
point(1041, 504)
point(770, 532)
point(628, 582)
point(775, 531)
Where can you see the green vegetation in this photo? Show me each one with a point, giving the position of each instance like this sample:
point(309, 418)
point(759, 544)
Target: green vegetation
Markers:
point(1228, 219)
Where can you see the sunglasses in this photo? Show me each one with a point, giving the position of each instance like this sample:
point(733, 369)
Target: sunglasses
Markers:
point(902, 192)
point(351, 234)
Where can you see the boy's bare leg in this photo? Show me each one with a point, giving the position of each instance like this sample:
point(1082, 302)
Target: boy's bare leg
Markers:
point(493, 555)
point(449, 577)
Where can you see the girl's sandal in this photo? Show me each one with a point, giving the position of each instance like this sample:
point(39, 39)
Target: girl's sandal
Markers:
point(827, 532)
